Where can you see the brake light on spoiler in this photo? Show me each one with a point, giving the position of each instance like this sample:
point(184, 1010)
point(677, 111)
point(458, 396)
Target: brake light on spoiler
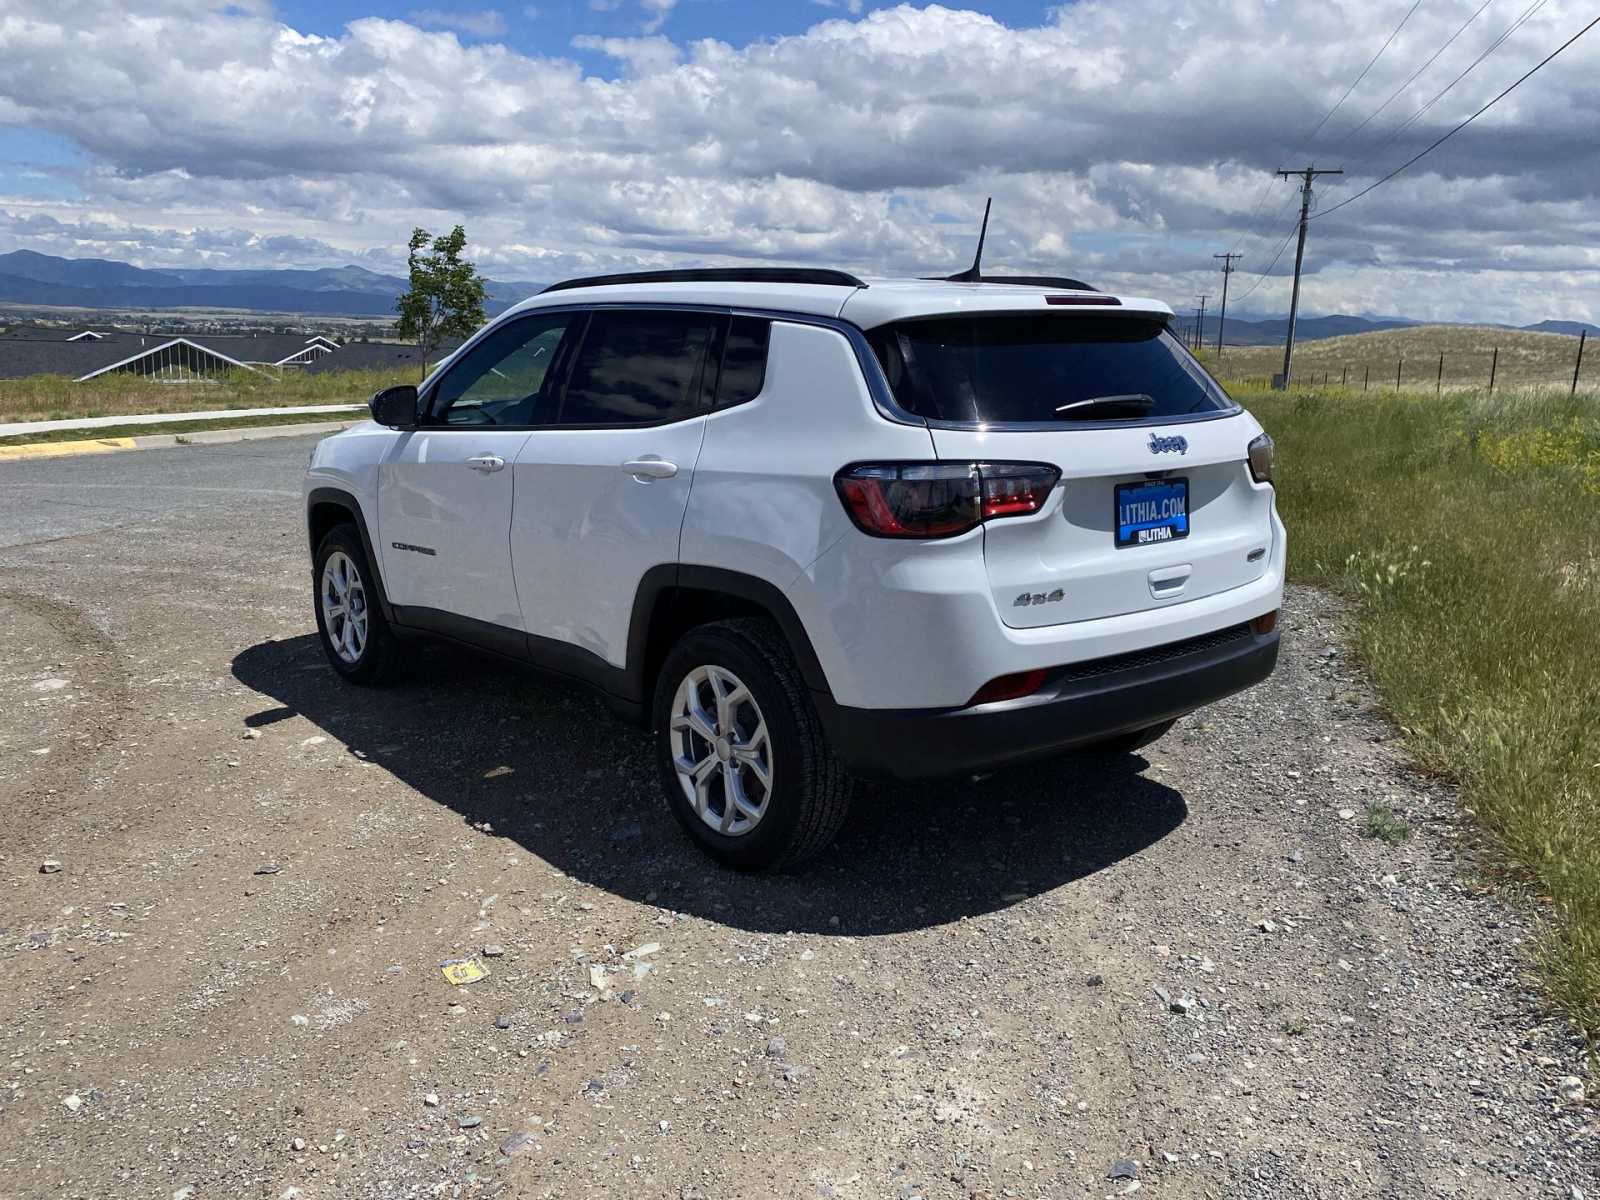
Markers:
point(1087, 301)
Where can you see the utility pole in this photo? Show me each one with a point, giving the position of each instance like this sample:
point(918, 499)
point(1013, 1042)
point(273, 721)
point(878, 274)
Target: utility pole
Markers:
point(1200, 324)
point(1227, 269)
point(1307, 176)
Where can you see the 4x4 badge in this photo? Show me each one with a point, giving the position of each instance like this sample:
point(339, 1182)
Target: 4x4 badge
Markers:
point(1168, 445)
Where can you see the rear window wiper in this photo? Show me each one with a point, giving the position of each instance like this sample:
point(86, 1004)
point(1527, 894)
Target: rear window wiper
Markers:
point(1138, 401)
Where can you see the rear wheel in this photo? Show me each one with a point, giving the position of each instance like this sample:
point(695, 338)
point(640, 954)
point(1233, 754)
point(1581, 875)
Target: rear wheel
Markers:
point(744, 763)
point(354, 635)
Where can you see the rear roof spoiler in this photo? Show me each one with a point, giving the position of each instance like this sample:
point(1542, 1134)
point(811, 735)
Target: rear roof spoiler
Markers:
point(812, 275)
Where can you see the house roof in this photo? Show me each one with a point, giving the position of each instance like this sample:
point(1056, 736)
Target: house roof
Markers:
point(39, 350)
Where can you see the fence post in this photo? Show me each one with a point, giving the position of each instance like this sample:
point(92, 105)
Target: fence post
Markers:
point(1583, 336)
point(1397, 369)
point(1367, 378)
point(1438, 387)
point(1344, 376)
point(1494, 367)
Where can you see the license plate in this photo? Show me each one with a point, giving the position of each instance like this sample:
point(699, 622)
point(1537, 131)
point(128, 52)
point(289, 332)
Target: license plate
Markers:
point(1151, 513)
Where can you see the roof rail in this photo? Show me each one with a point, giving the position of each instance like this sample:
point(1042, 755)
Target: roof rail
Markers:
point(814, 275)
point(1044, 281)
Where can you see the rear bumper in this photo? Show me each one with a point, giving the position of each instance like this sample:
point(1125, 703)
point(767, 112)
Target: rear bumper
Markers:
point(1082, 704)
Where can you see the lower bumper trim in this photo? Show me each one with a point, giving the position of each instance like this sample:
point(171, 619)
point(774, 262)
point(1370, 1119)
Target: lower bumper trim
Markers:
point(1083, 704)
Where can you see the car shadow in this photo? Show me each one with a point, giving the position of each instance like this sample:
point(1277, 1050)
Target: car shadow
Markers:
point(554, 772)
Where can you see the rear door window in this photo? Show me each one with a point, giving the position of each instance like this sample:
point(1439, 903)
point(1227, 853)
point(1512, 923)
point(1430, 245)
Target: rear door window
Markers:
point(1006, 369)
point(639, 367)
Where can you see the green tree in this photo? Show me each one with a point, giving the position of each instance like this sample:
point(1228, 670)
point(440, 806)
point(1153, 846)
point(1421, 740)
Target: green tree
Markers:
point(446, 294)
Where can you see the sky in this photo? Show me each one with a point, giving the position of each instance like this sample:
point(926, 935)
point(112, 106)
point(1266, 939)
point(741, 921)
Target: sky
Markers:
point(1123, 141)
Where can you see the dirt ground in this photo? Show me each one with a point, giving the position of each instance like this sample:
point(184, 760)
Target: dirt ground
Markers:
point(1188, 973)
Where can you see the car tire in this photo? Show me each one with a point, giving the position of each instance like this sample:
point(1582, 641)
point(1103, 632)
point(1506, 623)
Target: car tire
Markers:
point(758, 743)
point(1134, 740)
point(350, 623)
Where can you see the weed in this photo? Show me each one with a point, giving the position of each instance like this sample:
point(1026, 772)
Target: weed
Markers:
point(1385, 826)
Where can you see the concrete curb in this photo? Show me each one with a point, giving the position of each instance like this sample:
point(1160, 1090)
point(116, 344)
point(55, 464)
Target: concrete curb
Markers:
point(161, 441)
point(89, 424)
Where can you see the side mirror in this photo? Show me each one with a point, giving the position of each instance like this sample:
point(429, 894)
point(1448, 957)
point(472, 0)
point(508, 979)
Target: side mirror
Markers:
point(396, 406)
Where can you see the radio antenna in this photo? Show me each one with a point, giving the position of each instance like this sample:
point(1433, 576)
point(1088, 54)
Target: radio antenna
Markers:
point(974, 274)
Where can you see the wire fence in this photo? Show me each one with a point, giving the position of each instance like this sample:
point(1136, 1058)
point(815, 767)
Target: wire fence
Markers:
point(1479, 369)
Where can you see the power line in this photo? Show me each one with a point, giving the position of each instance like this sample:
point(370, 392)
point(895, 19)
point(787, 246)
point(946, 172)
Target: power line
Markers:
point(1433, 58)
point(1365, 69)
point(1305, 142)
point(1442, 140)
point(1399, 129)
point(1282, 246)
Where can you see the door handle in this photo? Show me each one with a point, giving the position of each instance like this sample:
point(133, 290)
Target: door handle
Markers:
point(486, 464)
point(650, 467)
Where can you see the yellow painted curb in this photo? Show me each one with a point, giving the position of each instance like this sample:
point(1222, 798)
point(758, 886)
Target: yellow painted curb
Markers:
point(57, 449)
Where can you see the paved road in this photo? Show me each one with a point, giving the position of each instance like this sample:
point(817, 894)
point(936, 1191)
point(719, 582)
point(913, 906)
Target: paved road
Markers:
point(1188, 960)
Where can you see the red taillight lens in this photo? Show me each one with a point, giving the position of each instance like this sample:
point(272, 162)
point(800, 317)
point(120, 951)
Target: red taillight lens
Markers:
point(934, 500)
point(1009, 687)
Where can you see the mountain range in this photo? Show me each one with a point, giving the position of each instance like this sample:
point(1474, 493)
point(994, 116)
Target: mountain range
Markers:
point(27, 277)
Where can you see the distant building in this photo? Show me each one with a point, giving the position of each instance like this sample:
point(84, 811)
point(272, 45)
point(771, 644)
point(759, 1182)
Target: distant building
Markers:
point(88, 353)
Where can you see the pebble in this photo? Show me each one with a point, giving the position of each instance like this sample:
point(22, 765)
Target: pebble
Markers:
point(776, 1048)
point(299, 1019)
point(517, 1143)
point(1571, 1089)
point(1095, 980)
point(493, 951)
point(49, 866)
point(184, 1192)
point(1346, 814)
point(297, 1145)
point(1124, 1168)
point(270, 868)
point(251, 735)
point(431, 1100)
point(73, 1102)
point(470, 1122)
point(502, 1022)
point(1266, 926)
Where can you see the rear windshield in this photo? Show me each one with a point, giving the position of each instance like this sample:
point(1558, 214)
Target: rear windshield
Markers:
point(1004, 368)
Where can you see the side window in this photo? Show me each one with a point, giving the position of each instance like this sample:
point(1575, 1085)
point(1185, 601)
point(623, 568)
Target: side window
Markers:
point(501, 379)
point(637, 367)
point(744, 361)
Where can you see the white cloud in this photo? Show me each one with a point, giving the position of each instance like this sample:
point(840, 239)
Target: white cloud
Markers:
point(479, 23)
point(1119, 141)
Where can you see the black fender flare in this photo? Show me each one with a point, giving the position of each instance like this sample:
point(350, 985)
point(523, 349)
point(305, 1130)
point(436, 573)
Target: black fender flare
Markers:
point(343, 499)
point(658, 586)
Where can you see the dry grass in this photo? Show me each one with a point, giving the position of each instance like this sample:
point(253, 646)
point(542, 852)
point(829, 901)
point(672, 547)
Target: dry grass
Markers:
point(1468, 530)
point(1527, 360)
point(56, 397)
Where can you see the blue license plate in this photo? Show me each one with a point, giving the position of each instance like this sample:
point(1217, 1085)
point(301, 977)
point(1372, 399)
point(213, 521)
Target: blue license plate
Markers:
point(1151, 513)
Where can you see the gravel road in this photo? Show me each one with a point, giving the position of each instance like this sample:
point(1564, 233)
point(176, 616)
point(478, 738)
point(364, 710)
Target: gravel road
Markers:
point(1187, 973)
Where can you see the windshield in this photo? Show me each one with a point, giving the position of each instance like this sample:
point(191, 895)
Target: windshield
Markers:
point(1005, 368)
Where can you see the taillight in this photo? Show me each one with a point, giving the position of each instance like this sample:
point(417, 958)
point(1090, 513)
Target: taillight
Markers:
point(936, 500)
point(1262, 452)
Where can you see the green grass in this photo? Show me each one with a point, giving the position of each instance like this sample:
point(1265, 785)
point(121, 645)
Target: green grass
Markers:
point(1383, 825)
point(1467, 529)
point(121, 431)
point(58, 398)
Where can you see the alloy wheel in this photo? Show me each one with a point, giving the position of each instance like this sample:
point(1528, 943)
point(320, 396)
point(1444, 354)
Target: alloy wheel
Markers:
point(721, 750)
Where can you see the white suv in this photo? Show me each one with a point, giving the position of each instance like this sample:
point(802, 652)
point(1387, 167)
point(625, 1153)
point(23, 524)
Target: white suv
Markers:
point(807, 528)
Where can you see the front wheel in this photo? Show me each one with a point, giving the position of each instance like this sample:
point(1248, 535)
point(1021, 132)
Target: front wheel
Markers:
point(744, 762)
point(355, 637)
